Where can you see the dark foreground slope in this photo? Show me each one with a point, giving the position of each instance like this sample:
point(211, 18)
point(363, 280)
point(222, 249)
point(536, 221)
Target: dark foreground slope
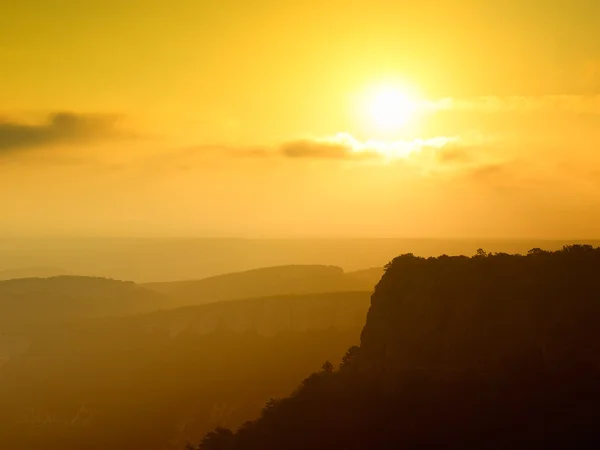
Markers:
point(494, 351)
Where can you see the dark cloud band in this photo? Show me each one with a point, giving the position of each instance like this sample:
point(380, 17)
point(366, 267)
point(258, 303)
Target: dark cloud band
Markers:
point(60, 128)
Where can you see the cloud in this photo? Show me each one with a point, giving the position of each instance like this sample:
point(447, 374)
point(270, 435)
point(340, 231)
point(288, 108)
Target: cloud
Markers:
point(307, 148)
point(454, 156)
point(345, 146)
point(60, 128)
point(489, 171)
point(574, 104)
point(517, 176)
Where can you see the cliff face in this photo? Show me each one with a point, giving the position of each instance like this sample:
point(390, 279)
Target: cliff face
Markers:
point(485, 316)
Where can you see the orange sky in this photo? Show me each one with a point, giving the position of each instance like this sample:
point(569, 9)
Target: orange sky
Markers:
point(237, 118)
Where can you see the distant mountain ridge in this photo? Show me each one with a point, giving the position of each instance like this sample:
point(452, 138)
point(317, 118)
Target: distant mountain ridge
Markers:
point(268, 281)
point(169, 259)
point(33, 272)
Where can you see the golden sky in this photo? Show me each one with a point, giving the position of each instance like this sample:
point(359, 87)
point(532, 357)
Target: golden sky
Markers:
point(448, 118)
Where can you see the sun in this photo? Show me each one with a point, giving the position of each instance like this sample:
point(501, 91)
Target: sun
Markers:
point(390, 108)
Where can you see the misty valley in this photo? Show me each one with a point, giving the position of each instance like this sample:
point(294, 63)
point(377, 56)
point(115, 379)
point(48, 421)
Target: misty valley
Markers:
point(102, 363)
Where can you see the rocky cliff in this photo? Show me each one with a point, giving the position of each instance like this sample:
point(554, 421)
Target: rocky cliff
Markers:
point(486, 316)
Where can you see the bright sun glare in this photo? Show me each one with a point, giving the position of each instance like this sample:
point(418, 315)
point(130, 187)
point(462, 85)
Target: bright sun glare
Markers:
point(391, 108)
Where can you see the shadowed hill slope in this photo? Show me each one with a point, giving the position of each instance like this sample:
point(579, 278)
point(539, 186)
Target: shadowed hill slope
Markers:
point(35, 307)
point(37, 302)
point(158, 380)
point(490, 352)
point(266, 315)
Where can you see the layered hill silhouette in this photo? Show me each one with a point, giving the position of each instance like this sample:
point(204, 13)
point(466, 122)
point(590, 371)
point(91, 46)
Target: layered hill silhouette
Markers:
point(161, 378)
point(34, 303)
point(494, 351)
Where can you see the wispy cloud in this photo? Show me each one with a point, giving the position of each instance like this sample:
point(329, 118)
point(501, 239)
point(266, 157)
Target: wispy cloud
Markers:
point(325, 148)
point(60, 128)
point(345, 146)
point(454, 156)
point(576, 104)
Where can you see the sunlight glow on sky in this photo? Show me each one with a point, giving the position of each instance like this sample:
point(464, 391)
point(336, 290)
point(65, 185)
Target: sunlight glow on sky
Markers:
point(390, 107)
point(436, 118)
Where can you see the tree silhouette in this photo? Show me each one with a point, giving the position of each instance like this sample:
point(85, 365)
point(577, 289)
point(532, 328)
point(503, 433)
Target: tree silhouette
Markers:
point(481, 253)
point(350, 357)
point(327, 367)
point(219, 439)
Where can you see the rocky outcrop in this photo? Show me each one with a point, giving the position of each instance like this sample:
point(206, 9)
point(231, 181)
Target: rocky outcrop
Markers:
point(485, 316)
